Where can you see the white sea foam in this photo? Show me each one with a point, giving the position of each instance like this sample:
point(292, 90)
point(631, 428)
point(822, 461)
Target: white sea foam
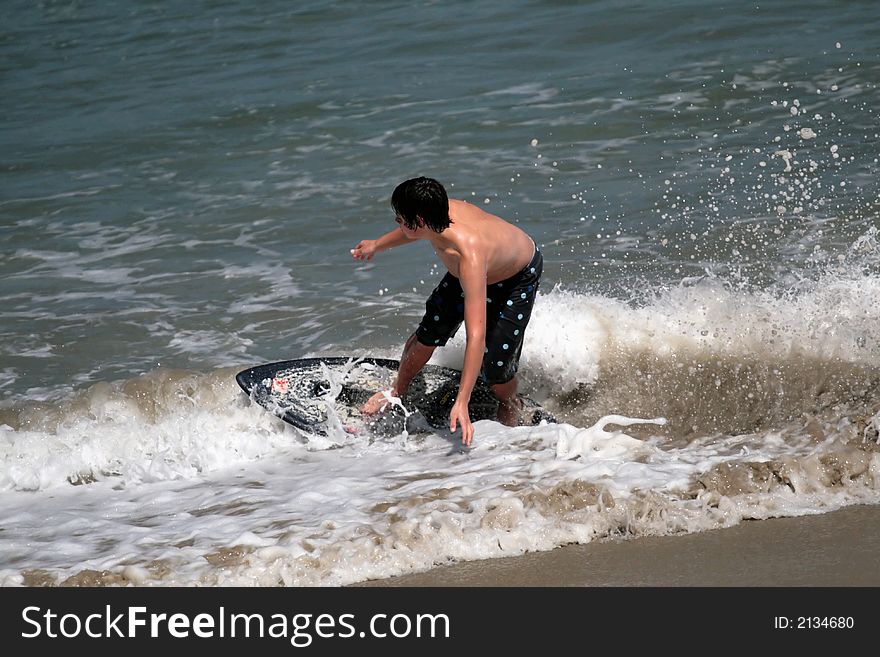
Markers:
point(180, 480)
point(331, 517)
point(595, 441)
point(832, 318)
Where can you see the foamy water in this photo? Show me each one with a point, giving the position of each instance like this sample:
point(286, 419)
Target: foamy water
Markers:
point(176, 478)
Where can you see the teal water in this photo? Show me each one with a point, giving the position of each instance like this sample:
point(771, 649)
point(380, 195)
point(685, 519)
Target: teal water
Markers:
point(181, 184)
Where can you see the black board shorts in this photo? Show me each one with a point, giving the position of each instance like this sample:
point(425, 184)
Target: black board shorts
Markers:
point(508, 310)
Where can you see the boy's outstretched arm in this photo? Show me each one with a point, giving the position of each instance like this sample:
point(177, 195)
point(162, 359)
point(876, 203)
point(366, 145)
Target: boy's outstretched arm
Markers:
point(366, 249)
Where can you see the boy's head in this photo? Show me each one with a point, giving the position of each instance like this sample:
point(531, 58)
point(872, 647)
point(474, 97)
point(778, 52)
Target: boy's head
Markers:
point(421, 199)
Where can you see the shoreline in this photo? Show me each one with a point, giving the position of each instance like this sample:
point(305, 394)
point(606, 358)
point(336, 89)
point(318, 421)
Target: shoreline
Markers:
point(838, 548)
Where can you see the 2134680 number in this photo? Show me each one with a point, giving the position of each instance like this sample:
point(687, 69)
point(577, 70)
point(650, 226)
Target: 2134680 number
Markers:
point(825, 622)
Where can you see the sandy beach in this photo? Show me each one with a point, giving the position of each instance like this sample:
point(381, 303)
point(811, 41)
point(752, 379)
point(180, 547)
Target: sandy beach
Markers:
point(840, 548)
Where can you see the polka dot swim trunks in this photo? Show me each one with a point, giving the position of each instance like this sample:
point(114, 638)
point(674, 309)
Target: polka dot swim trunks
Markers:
point(508, 310)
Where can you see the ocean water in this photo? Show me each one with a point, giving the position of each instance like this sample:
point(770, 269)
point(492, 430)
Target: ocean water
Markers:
point(179, 190)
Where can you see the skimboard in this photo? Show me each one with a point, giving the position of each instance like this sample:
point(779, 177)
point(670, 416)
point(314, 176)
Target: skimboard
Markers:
point(318, 394)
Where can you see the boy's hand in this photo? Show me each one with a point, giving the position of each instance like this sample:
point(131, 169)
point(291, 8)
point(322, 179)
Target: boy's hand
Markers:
point(365, 250)
point(459, 414)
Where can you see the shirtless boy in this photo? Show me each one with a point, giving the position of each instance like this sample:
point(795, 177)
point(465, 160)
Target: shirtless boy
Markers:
point(493, 273)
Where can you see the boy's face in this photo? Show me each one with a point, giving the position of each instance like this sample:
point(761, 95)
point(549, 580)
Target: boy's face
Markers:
point(409, 232)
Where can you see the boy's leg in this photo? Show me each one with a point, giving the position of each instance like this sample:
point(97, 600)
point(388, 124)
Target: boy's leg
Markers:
point(509, 404)
point(415, 355)
point(507, 317)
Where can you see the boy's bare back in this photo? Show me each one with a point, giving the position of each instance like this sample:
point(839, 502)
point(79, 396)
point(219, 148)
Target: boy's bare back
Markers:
point(504, 248)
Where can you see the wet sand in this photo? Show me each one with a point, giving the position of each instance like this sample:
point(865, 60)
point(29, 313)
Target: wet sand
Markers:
point(840, 548)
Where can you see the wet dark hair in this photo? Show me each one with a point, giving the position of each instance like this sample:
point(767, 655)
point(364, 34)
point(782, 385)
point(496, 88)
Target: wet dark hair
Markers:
point(425, 198)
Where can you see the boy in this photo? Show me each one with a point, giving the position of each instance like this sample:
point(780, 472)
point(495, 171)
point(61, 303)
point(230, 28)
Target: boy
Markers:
point(493, 273)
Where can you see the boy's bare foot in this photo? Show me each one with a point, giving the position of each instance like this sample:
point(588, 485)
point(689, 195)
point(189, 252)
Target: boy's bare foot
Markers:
point(376, 403)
